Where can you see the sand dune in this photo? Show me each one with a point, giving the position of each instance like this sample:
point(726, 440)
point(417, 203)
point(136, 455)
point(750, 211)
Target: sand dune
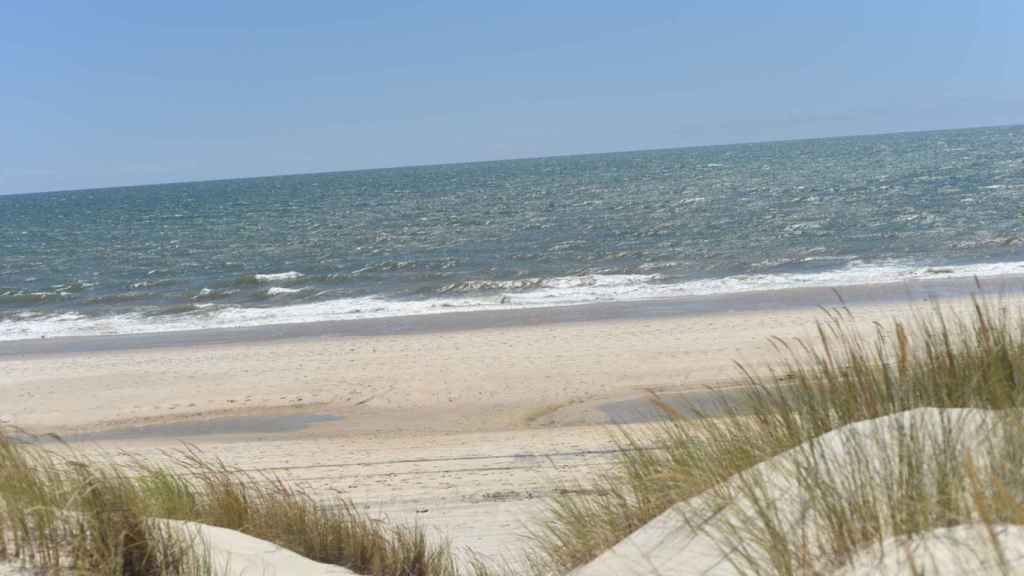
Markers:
point(231, 553)
point(696, 537)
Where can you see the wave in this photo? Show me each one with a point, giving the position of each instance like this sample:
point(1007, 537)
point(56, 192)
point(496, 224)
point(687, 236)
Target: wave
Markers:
point(482, 295)
point(22, 297)
point(389, 266)
point(174, 310)
point(72, 287)
point(278, 277)
point(490, 285)
point(278, 290)
point(143, 284)
point(212, 294)
point(276, 294)
point(119, 298)
point(56, 292)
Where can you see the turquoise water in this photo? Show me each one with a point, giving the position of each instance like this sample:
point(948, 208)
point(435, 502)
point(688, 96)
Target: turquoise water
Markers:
point(515, 233)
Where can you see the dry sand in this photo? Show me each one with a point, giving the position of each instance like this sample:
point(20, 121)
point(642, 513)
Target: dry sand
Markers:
point(463, 431)
point(231, 553)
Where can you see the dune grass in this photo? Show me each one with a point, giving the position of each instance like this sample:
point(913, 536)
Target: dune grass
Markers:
point(68, 515)
point(931, 479)
point(63, 514)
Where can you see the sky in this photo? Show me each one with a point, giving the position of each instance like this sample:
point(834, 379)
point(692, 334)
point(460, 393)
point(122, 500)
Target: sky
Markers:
point(97, 94)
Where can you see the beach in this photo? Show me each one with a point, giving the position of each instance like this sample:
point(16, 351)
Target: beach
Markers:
point(462, 426)
point(474, 289)
point(445, 373)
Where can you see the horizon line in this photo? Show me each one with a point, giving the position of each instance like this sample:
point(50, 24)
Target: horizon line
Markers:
point(510, 159)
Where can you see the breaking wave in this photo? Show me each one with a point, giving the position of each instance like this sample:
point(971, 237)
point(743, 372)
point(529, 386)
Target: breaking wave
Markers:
point(475, 295)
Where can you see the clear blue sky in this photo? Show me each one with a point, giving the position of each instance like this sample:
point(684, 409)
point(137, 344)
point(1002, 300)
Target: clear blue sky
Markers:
point(110, 93)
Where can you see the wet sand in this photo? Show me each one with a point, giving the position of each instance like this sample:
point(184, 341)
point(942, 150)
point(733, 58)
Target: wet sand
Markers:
point(247, 425)
point(639, 409)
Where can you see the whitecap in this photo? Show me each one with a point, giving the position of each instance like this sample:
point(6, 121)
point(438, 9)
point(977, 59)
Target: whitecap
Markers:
point(559, 291)
point(277, 277)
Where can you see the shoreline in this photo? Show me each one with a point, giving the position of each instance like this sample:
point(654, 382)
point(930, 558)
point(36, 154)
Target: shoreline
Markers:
point(905, 291)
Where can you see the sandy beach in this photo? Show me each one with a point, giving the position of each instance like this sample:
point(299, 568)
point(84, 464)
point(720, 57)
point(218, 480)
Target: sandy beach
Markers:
point(485, 289)
point(460, 430)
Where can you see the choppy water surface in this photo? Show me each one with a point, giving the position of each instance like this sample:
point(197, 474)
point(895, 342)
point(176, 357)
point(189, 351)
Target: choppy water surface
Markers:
point(513, 233)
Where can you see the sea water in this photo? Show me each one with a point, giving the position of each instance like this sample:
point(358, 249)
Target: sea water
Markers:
point(510, 234)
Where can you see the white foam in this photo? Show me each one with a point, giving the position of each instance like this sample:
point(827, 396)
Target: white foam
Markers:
point(563, 291)
point(277, 277)
point(853, 274)
point(277, 290)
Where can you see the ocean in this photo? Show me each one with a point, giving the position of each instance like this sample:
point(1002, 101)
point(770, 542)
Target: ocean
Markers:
point(513, 234)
